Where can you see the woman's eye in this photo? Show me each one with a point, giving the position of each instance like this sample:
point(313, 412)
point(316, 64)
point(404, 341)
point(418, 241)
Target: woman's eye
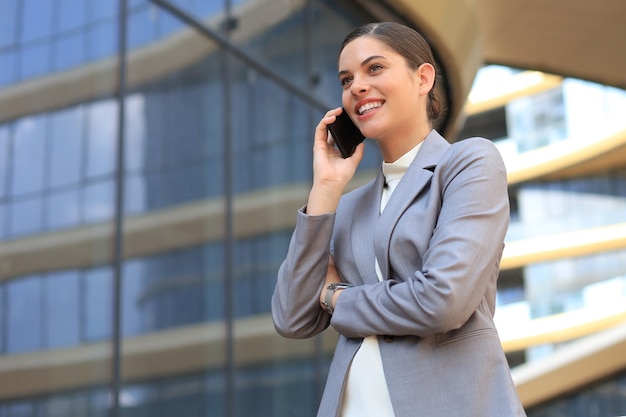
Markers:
point(345, 81)
point(375, 67)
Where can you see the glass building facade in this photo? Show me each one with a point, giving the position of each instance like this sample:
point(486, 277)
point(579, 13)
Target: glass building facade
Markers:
point(142, 158)
point(153, 155)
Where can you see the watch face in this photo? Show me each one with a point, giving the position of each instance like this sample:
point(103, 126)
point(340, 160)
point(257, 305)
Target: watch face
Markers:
point(339, 285)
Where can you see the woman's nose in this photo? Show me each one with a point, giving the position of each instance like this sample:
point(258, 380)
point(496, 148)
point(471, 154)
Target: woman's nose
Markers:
point(358, 88)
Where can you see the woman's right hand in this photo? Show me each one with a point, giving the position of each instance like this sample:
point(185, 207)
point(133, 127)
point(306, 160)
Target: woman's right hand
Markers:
point(331, 172)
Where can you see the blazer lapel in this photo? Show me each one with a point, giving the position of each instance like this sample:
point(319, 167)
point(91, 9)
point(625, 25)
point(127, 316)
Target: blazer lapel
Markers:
point(416, 177)
point(366, 214)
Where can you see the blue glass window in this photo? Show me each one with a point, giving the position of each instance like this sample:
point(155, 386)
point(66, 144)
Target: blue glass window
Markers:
point(62, 309)
point(7, 63)
point(29, 150)
point(63, 209)
point(98, 298)
point(101, 138)
point(73, 13)
point(168, 24)
point(66, 147)
point(24, 327)
point(103, 9)
point(98, 201)
point(136, 3)
point(3, 228)
point(26, 216)
point(4, 159)
point(69, 51)
point(34, 60)
point(168, 282)
point(131, 297)
point(135, 134)
point(142, 400)
point(58, 406)
point(37, 19)
point(102, 39)
point(22, 409)
point(142, 26)
point(8, 22)
point(204, 9)
point(244, 293)
point(134, 194)
point(213, 271)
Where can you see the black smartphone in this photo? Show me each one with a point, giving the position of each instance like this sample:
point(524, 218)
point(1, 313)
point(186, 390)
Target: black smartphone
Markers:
point(345, 134)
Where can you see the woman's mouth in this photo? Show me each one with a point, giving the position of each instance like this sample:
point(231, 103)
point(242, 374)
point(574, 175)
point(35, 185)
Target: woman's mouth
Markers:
point(367, 107)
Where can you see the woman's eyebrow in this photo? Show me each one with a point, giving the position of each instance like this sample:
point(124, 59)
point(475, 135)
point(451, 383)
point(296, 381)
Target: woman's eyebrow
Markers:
point(365, 61)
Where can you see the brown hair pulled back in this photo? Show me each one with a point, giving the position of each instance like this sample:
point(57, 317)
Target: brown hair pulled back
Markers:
point(406, 42)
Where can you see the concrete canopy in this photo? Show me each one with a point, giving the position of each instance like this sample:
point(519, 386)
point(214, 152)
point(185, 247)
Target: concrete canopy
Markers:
point(573, 38)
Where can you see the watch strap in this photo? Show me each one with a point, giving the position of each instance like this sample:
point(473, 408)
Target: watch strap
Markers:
point(330, 291)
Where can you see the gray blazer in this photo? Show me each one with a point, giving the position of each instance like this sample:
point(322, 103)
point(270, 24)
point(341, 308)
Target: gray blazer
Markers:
point(439, 243)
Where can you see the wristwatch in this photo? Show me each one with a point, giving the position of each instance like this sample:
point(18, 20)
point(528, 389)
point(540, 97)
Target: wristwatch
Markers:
point(330, 291)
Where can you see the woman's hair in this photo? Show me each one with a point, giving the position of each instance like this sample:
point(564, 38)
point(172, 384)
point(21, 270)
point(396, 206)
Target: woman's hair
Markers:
point(408, 43)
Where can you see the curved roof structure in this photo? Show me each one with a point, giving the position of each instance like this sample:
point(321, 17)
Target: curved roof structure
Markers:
point(573, 38)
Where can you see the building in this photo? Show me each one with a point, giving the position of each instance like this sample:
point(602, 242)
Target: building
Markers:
point(152, 160)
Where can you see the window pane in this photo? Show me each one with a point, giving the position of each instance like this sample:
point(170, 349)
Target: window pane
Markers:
point(4, 158)
point(62, 312)
point(3, 228)
point(63, 209)
point(59, 406)
point(24, 315)
point(29, 149)
point(131, 297)
point(102, 9)
point(26, 217)
point(8, 19)
point(74, 13)
point(98, 303)
point(7, 63)
point(36, 19)
point(102, 137)
point(213, 269)
point(102, 39)
point(66, 147)
point(98, 202)
point(22, 409)
point(134, 194)
point(69, 51)
point(34, 60)
point(141, 27)
point(135, 135)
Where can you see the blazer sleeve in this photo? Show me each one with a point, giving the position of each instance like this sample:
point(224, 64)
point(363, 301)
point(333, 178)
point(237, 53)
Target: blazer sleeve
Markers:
point(296, 311)
point(460, 264)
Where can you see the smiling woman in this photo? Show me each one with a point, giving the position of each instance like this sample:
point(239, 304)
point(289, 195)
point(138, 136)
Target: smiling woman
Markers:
point(404, 268)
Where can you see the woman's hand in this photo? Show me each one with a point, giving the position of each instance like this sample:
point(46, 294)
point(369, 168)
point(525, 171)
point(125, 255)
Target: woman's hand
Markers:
point(331, 172)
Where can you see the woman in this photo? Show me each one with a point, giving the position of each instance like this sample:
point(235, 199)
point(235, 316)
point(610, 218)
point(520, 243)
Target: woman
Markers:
point(405, 267)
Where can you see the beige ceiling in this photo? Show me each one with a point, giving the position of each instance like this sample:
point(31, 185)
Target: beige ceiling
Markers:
point(574, 38)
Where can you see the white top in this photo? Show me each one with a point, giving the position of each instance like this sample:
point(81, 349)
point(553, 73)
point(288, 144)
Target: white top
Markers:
point(366, 393)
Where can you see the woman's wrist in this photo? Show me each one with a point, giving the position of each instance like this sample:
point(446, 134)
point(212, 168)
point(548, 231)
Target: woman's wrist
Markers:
point(323, 200)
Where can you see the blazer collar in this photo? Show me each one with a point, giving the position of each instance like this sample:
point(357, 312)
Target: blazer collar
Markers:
point(414, 180)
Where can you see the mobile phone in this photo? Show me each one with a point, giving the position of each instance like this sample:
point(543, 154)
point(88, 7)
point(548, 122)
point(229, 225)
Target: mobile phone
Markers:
point(345, 134)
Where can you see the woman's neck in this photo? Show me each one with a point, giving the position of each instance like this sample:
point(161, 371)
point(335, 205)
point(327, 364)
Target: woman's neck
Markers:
point(393, 147)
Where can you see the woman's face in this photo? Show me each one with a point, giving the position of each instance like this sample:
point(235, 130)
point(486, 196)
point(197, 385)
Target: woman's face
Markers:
point(382, 94)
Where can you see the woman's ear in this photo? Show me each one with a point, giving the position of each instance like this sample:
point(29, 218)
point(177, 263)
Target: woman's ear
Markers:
point(426, 77)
